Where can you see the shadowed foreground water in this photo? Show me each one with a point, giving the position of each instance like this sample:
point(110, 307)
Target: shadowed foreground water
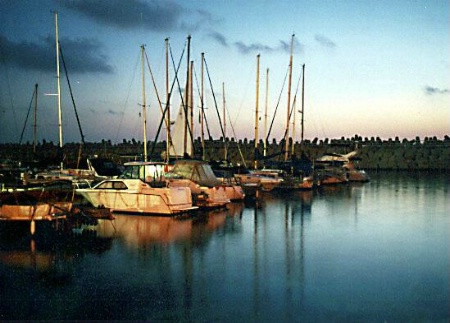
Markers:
point(368, 252)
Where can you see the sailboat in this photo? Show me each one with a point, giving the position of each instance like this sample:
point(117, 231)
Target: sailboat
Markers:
point(233, 190)
point(39, 202)
point(207, 192)
point(296, 172)
point(257, 179)
point(132, 194)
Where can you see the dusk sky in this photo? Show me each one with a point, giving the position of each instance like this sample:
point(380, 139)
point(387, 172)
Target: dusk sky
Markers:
point(376, 68)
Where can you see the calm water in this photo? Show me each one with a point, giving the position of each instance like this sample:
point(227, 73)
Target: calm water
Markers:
point(372, 252)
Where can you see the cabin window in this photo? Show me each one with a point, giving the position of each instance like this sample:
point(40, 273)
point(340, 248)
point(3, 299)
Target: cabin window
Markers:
point(119, 186)
point(113, 186)
point(105, 186)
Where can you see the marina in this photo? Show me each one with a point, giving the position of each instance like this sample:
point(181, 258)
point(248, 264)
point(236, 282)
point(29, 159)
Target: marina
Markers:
point(334, 210)
point(376, 251)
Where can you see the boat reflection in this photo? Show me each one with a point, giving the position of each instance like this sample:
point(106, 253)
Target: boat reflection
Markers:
point(39, 261)
point(49, 259)
point(137, 230)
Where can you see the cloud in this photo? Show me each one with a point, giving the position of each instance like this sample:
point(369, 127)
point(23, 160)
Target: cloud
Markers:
point(254, 47)
point(283, 46)
point(220, 38)
point(429, 90)
point(81, 55)
point(152, 15)
point(324, 41)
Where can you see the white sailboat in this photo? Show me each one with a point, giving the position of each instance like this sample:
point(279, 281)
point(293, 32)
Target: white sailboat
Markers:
point(129, 193)
point(207, 192)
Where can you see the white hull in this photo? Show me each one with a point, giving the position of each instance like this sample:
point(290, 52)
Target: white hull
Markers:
point(234, 192)
point(208, 197)
point(139, 197)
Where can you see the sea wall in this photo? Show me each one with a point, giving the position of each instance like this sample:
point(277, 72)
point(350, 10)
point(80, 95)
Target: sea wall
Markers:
point(429, 153)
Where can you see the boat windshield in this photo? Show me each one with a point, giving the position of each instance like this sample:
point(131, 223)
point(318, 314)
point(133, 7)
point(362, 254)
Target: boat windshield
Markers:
point(146, 173)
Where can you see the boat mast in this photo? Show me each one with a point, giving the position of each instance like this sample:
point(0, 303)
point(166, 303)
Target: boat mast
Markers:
point(202, 119)
point(167, 103)
point(294, 130)
point(224, 121)
point(294, 134)
point(144, 115)
point(191, 108)
point(35, 117)
point(303, 107)
point(265, 113)
point(59, 88)
point(187, 94)
point(286, 137)
point(256, 112)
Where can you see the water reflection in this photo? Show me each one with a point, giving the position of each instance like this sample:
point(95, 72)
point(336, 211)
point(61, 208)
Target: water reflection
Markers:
point(367, 252)
point(141, 230)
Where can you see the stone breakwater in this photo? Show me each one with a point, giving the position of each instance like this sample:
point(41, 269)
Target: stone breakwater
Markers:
point(392, 154)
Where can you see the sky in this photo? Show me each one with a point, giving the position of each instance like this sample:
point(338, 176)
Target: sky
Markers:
point(375, 68)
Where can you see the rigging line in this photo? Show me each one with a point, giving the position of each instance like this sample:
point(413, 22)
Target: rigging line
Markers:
point(71, 94)
point(244, 96)
point(168, 99)
point(234, 134)
point(201, 98)
point(215, 101)
point(160, 102)
point(26, 119)
point(127, 98)
point(294, 102)
point(156, 91)
point(185, 107)
point(286, 130)
point(154, 83)
point(276, 107)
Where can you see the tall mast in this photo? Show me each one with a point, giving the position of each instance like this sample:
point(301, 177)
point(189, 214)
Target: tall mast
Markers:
point(144, 115)
point(187, 94)
point(191, 108)
point(59, 87)
point(35, 117)
point(202, 119)
point(286, 137)
point(224, 121)
point(303, 107)
point(294, 130)
point(167, 102)
point(256, 112)
point(265, 113)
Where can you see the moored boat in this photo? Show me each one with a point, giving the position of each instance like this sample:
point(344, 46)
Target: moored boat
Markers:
point(34, 212)
point(135, 196)
point(198, 175)
point(335, 168)
point(265, 180)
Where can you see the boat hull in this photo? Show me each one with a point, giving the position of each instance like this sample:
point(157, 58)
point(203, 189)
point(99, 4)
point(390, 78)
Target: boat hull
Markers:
point(150, 200)
point(36, 212)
